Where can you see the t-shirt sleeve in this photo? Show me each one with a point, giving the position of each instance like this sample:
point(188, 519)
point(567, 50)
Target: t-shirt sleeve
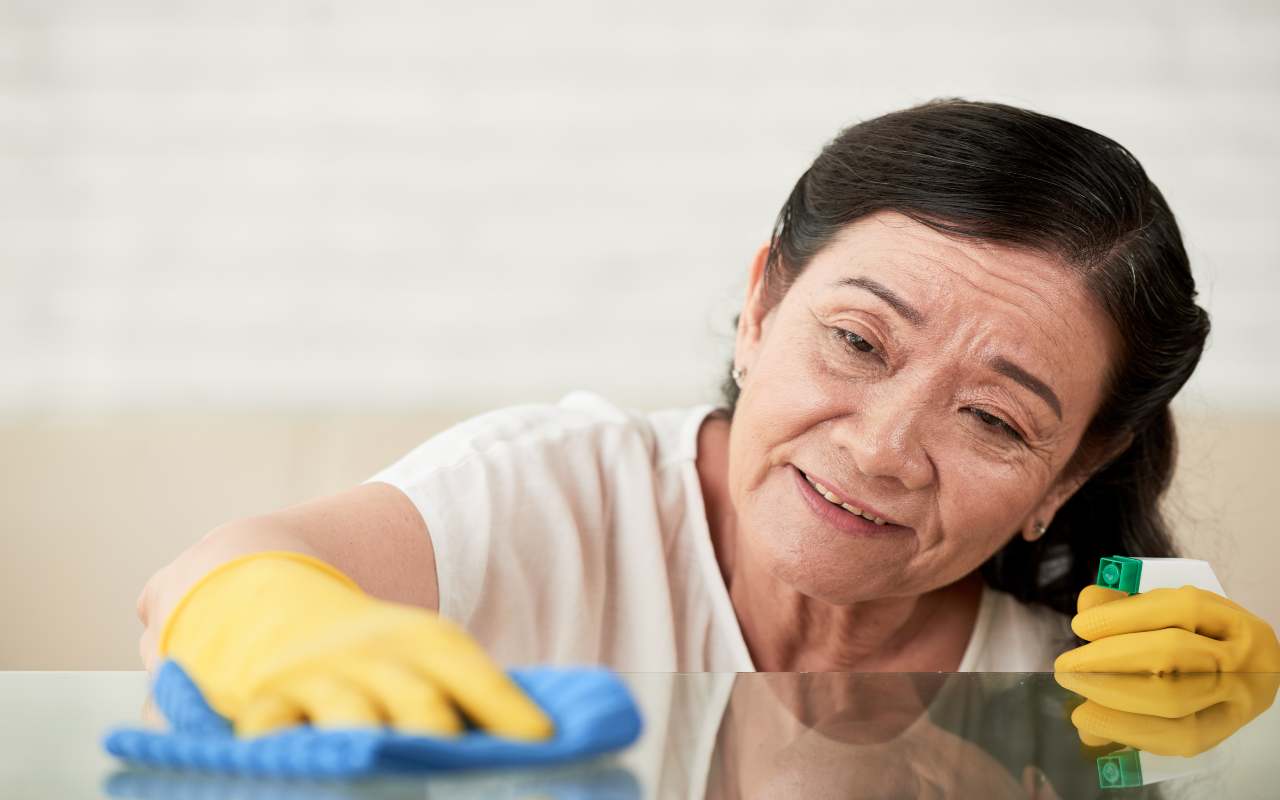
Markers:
point(517, 505)
point(1023, 637)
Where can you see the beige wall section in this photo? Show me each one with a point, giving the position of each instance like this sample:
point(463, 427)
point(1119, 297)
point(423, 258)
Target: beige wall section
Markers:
point(93, 504)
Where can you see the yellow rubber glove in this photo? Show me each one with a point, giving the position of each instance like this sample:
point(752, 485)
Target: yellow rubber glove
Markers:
point(275, 638)
point(1167, 630)
point(1169, 715)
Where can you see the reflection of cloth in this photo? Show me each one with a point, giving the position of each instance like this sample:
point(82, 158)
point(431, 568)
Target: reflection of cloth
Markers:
point(577, 533)
point(592, 710)
point(594, 781)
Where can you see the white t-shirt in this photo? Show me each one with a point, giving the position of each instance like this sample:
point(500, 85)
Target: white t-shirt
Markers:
point(575, 532)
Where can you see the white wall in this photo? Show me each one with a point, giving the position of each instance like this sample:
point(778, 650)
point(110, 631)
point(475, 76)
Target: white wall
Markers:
point(249, 203)
point(252, 250)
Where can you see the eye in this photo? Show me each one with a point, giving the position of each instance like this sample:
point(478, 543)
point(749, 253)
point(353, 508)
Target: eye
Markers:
point(855, 341)
point(992, 421)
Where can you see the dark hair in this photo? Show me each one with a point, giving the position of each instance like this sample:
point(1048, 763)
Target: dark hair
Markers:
point(995, 172)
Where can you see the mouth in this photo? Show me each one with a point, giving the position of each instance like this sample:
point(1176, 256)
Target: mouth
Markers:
point(844, 513)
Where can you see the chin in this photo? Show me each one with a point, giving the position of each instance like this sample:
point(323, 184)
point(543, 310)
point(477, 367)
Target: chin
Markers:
point(828, 565)
point(839, 583)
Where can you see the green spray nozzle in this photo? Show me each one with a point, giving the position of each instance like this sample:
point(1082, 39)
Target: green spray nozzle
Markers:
point(1120, 770)
point(1120, 572)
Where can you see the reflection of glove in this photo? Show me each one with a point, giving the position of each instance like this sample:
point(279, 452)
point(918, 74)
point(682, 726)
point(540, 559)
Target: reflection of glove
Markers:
point(271, 638)
point(1168, 630)
point(1172, 715)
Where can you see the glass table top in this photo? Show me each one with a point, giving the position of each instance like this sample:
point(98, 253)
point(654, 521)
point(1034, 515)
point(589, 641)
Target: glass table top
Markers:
point(721, 735)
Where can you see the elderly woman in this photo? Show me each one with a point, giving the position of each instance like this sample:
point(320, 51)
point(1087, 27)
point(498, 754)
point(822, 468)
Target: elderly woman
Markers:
point(949, 396)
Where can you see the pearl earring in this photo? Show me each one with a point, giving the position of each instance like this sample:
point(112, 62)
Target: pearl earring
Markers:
point(1039, 530)
point(738, 374)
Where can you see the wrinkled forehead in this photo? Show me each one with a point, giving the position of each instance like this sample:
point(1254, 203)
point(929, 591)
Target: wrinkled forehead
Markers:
point(943, 263)
point(949, 272)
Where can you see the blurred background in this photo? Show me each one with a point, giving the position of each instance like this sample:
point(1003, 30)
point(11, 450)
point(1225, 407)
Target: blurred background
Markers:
point(253, 251)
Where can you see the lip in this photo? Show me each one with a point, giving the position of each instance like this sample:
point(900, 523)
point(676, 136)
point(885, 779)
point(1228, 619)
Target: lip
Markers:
point(830, 487)
point(838, 517)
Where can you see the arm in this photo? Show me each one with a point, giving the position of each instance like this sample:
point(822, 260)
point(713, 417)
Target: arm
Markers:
point(372, 533)
point(325, 613)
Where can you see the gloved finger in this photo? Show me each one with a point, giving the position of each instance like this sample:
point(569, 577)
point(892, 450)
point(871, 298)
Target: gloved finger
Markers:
point(464, 672)
point(1184, 736)
point(330, 701)
point(408, 700)
point(1259, 687)
point(1090, 740)
point(1189, 608)
point(1094, 595)
point(1167, 650)
point(1167, 696)
point(267, 713)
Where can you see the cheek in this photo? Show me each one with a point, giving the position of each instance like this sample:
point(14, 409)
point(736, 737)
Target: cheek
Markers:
point(775, 531)
point(796, 390)
point(986, 502)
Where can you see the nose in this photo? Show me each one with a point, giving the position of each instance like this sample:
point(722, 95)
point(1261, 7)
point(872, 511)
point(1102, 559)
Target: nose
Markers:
point(883, 436)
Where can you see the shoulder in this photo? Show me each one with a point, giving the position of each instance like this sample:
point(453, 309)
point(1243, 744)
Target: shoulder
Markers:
point(1020, 637)
point(581, 424)
point(524, 496)
point(583, 454)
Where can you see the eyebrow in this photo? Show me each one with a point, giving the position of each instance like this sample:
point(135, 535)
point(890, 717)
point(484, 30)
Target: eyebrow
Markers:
point(1000, 364)
point(1011, 370)
point(904, 309)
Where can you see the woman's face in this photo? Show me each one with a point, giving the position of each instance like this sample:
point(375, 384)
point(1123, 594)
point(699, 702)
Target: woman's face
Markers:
point(942, 383)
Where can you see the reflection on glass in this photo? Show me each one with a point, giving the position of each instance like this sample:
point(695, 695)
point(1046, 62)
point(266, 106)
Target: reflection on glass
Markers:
point(993, 735)
point(603, 780)
point(896, 735)
point(1167, 725)
point(814, 735)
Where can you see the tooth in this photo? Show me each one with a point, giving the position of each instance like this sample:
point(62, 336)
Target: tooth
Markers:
point(831, 498)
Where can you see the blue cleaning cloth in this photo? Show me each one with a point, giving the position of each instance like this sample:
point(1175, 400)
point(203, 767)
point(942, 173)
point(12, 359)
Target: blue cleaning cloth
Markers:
point(591, 708)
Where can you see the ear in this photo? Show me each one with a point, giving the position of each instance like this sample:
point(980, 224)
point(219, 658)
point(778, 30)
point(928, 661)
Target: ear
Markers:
point(1059, 493)
point(751, 320)
point(1073, 477)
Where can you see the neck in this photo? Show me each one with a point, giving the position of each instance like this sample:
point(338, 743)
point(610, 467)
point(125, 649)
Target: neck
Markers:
point(789, 632)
